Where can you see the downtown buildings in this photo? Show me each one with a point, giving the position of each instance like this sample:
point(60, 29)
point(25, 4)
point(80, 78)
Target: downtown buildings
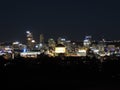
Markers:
point(60, 47)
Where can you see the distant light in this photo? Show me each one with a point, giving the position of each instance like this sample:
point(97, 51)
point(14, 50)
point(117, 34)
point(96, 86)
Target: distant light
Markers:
point(16, 42)
point(86, 40)
point(20, 44)
point(73, 43)
point(36, 46)
point(60, 50)
point(68, 41)
point(29, 39)
point(82, 51)
point(63, 39)
point(24, 50)
point(41, 44)
point(51, 38)
point(27, 32)
point(9, 51)
point(88, 37)
point(33, 41)
point(7, 48)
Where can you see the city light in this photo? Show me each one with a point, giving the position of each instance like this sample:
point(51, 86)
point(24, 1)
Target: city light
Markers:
point(60, 50)
point(33, 41)
point(16, 42)
point(87, 47)
point(28, 32)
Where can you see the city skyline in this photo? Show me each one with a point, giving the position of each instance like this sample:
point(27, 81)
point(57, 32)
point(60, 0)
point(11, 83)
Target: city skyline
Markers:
point(38, 38)
point(70, 19)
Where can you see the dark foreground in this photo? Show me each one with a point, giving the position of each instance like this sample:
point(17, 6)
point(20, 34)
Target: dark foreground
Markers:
point(59, 73)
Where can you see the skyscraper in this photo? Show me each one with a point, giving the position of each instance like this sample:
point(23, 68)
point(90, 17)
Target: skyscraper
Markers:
point(41, 38)
point(30, 40)
point(87, 41)
point(51, 43)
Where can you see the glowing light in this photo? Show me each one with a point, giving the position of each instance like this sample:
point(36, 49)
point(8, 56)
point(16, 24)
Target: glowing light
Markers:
point(63, 39)
point(60, 50)
point(28, 32)
point(16, 42)
point(29, 38)
point(24, 50)
point(29, 54)
point(81, 53)
point(7, 48)
point(41, 44)
point(33, 41)
point(36, 46)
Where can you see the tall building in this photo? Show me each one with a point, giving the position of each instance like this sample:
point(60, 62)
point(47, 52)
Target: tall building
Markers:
point(51, 43)
point(87, 41)
point(30, 40)
point(41, 38)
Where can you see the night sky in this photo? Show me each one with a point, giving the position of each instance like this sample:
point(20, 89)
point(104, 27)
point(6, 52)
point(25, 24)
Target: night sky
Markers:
point(68, 18)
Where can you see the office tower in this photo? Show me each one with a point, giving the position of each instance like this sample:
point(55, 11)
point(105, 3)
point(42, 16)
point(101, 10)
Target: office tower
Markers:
point(41, 38)
point(51, 43)
point(30, 40)
point(87, 41)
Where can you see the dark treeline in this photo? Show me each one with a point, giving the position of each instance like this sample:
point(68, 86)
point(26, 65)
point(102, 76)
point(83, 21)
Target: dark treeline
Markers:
point(76, 71)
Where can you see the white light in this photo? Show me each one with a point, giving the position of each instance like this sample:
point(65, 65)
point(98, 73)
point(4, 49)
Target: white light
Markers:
point(29, 54)
point(33, 41)
point(68, 41)
point(36, 46)
point(27, 32)
point(16, 42)
point(62, 39)
point(20, 44)
point(41, 44)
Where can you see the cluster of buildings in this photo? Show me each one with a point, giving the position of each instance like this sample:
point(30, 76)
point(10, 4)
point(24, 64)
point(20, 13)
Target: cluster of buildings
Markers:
point(59, 47)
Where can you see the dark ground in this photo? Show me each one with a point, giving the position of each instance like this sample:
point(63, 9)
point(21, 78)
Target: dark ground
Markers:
point(56, 73)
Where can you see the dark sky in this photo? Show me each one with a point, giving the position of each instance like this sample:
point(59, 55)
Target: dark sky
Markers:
point(68, 18)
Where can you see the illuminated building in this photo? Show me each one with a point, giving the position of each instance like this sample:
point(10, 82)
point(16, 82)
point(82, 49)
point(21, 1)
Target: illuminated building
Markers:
point(87, 41)
point(29, 54)
point(51, 46)
point(61, 41)
point(51, 43)
point(101, 46)
point(81, 52)
point(60, 50)
point(111, 48)
point(16, 45)
point(30, 40)
point(68, 45)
